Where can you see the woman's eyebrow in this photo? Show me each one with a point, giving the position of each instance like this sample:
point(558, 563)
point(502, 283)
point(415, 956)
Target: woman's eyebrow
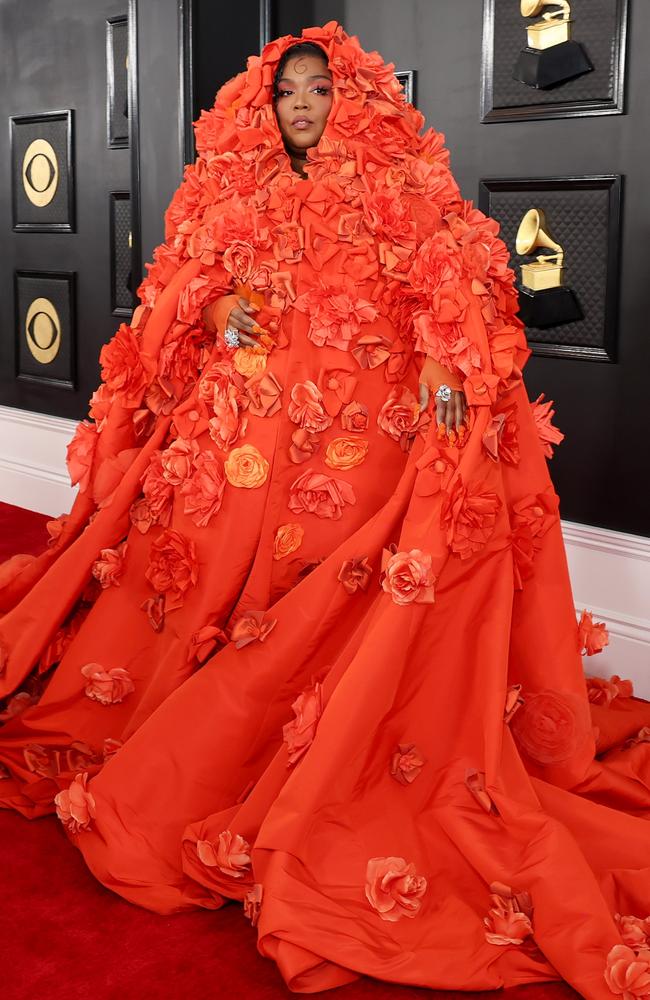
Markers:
point(318, 76)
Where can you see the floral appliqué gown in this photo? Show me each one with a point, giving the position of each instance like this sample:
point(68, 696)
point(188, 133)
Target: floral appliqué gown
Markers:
point(292, 646)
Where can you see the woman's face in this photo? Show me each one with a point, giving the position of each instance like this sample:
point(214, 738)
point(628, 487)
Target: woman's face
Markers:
point(304, 101)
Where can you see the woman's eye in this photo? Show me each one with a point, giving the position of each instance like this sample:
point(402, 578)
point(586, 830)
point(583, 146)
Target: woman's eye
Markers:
point(321, 90)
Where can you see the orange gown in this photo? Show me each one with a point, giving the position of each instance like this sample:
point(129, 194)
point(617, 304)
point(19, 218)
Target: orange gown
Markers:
point(295, 647)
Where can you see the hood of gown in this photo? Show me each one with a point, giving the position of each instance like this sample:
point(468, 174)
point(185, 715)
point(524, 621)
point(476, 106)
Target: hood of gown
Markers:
point(380, 193)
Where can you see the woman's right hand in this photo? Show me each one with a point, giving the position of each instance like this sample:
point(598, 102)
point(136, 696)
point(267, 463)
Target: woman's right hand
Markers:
point(242, 319)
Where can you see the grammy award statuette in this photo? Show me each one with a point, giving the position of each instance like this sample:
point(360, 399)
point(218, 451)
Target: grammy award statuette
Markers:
point(544, 299)
point(551, 56)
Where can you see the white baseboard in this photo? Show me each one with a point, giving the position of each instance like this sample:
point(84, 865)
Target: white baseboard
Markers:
point(610, 570)
point(33, 472)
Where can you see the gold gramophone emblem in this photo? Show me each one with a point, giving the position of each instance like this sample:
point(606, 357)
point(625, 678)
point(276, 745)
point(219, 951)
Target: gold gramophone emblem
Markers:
point(551, 55)
point(548, 269)
point(43, 330)
point(544, 300)
point(40, 172)
point(555, 25)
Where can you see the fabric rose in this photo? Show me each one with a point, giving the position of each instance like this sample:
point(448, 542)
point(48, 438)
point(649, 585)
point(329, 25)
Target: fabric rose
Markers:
point(253, 903)
point(550, 726)
point(344, 453)
point(177, 461)
point(400, 416)
point(393, 888)
point(108, 569)
point(354, 418)
point(530, 519)
point(513, 702)
point(300, 732)
point(122, 367)
point(505, 923)
point(475, 783)
point(173, 568)
point(628, 973)
point(408, 578)
point(158, 492)
point(154, 607)
point(75, 806)
point(141, 516)
point(228, 424)
point(355, 574)
point(549, 435)
point(304, 445)
point(316, 493)
point(406, 763)
point(603, 692)
point(371, 351)
point(592, 636)
point(204, 491)
point(246, 468)
point(239, 260)
point(249, 361)
point(204, 642)
point(337, 386)
point(17, 705)
point(306, 408)
point(288, 539)
point(250, 627)
point(635, 931)
point(108, 687)
point(468, 517)
point(335, 312)
point(264, 394)
point(436, 467)
point(80, 454)
point(231, 855)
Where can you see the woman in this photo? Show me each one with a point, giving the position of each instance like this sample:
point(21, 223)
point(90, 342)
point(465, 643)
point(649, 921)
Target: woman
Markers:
point(316, 650)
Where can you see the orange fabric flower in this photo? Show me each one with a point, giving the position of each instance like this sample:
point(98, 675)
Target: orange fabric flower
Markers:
point(436, 468)
point(110, 566)
point(335, 312)
point(635, 931)
point(406, 763)
point(75, 806)
point(304, 444)
point(549, 435)
point(122, 367)
point(177, 461)
point(475, 783)
point(249, 361)
point(408, 578)
point(246, 468)
point(108, 687)
point(550, 726)
point(592, 636)
point(355, 574)
point(204, 642)
point(468, 517)
point(264, 394)
point(239, 260)
point(354, 418)
point(155, 611)
point(231, 854)
point(628, 973)
point(288, 539)
point(253, 903)
point(173, 568)
point(400, 416)
point(371, 350)
point(158, 492)
point(505, 923)
point(204, 491)
point(300, 732)
point(344, 453)
point(530, 519)
point(80, 454)
point(603, 692)
point(514, 701)
point(337, 386)
point(250, 627)
point(141, 516)
point(306, 408)
point(393, 888)
point(316, 493)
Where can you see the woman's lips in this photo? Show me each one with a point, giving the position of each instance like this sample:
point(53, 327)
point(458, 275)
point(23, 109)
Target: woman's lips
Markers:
point(301, 124)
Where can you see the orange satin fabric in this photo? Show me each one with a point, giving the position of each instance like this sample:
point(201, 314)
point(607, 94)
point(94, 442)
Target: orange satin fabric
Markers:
point(293, 648)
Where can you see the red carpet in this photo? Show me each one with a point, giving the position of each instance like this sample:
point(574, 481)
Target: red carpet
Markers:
point(65, 937)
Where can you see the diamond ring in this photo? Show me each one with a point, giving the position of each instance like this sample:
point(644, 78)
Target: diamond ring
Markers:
point(231, 337)
point(443, 393)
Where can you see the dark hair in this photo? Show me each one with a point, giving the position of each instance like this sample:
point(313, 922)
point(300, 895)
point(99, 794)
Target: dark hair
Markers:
point(299, 49)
